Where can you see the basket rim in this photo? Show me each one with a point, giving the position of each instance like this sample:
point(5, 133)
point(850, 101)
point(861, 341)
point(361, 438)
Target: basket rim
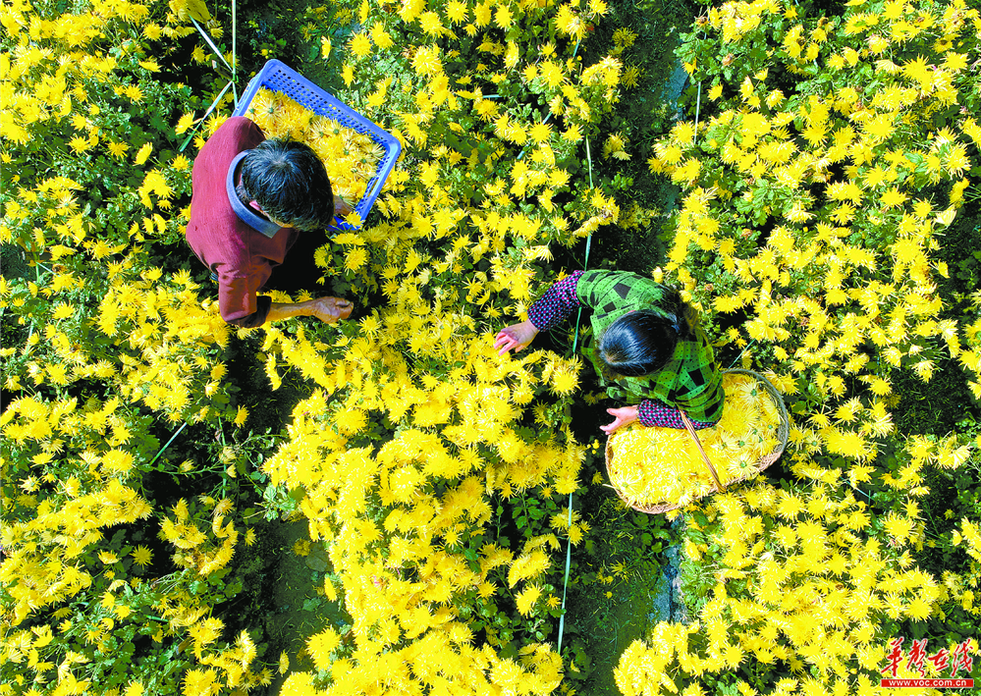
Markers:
point(783, 432)
point(392, 145)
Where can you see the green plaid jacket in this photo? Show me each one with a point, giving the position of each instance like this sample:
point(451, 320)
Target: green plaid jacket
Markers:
point(690, 381)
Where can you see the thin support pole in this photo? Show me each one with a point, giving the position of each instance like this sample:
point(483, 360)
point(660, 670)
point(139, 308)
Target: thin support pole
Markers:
point(211, 43)
point(172, 438)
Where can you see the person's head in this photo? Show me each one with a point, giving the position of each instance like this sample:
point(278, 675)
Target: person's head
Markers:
point(642, 342)
point(638, 343)
point(289, 183)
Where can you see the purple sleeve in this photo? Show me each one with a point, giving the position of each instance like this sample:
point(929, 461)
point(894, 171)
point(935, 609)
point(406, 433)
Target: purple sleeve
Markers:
point(658, 414)
point(556, 304)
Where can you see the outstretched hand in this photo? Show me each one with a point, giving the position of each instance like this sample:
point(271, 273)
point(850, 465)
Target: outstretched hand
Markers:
point(624, 415)
point(330, 309)
point(515, 337)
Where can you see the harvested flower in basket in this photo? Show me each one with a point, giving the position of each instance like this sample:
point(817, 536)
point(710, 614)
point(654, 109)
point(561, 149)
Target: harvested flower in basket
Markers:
point(654, 466)
point(351, 158)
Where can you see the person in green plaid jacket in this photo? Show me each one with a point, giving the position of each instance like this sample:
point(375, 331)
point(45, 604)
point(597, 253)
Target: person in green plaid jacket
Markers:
point(648, 348)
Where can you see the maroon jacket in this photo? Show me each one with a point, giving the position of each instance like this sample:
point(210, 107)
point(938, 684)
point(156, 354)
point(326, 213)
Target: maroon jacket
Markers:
point(241, 255)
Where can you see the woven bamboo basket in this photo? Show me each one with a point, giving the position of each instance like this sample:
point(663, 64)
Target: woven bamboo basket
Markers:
point(783, 431)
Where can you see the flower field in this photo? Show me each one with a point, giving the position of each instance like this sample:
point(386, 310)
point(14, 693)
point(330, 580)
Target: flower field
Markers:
point(823, 169)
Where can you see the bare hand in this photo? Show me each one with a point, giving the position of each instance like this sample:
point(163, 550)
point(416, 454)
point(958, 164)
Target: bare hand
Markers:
point(624, 416)
point(330, 309)
point(341, 208)
point(515, 337)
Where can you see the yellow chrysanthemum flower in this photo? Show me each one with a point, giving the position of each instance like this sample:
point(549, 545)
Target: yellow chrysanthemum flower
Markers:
point(142, 556)
point(527, 598)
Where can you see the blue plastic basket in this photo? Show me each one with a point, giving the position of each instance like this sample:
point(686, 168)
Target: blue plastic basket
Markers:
point(276, 75)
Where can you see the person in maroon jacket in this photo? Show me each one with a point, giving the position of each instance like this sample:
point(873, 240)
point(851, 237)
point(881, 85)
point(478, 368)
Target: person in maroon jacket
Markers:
point(251, 199)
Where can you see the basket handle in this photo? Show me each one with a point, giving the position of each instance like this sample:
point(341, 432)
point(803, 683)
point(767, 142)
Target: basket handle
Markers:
point(691, 431)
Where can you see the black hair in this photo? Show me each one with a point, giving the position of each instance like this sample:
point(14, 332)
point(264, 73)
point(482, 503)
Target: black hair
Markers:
point(289, 182)
point(643, 341)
